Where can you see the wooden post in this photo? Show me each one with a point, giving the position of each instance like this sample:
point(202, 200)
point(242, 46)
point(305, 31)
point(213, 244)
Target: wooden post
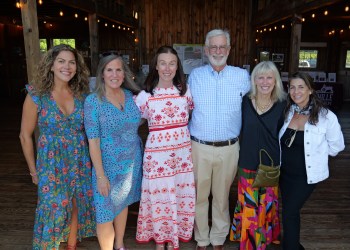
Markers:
point(93, 30)
point(31, 36)
point(295, 41)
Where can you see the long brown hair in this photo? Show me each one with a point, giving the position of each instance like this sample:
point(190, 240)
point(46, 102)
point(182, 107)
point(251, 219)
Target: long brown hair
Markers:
point(152, 79)
point(43, 80)
point(317, 105)
point(128, 82)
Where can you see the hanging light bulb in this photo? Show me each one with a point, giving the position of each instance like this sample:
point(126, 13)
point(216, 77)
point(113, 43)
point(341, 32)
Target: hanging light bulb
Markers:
point(61, 13)
point(40, 2)
point(18, 5)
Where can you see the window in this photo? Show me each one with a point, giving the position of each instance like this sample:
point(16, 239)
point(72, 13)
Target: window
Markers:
point(43, 45)
point(308, 58)
point(70, 42)
point(347, 61)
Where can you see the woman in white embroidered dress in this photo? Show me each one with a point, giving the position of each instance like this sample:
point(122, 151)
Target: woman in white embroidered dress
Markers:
point(168, 191)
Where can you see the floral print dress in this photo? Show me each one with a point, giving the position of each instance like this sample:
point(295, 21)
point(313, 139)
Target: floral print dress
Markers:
point(64, 170)
point(167, 205)
point(121, 150)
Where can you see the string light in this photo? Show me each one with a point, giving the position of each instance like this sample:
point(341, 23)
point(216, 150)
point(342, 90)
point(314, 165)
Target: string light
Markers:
point(85, 18)
point(346, 8)
point(76, 15)
point(61, 13)
point(313, 15)
point(18, 4)
point(40, 2)
point(325, 12)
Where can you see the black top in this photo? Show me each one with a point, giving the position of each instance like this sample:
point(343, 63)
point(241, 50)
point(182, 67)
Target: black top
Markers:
point(293, 158)
point(260, 132)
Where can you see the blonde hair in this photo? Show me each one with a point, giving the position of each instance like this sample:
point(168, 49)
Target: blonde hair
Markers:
point(264, 67)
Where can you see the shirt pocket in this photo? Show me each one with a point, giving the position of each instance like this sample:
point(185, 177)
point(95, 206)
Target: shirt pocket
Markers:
point(229, 102)
point(318, 138)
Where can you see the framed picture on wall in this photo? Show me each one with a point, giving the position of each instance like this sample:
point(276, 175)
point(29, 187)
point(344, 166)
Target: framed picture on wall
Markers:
point(277, 57)
point(264, 56)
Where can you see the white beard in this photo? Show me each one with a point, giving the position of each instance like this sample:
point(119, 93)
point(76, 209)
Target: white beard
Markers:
point(216, 62)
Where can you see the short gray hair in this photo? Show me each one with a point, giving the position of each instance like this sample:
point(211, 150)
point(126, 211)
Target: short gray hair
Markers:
point(217, 32)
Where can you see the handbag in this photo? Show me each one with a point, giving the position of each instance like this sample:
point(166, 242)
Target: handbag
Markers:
point(266, 176)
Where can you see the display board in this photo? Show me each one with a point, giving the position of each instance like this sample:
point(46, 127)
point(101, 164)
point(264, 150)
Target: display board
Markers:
point(191, 56)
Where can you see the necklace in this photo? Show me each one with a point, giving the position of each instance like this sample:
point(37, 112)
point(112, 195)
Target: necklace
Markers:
point(262, 108)
point(116, 102)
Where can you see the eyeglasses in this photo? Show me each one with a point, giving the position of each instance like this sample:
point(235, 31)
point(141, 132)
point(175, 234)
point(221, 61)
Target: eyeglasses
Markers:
point(108, 53)
point(289, 141)
point(214, 48)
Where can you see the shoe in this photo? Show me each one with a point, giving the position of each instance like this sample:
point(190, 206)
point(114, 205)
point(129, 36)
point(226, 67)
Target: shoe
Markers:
point(201, 247)
point(218, 247)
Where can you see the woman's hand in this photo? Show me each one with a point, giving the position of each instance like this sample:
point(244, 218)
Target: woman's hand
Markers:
point(35, 179)
point(103, 186)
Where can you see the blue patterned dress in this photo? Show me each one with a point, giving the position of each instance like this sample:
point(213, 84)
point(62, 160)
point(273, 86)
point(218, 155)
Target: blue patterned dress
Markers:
point(64, 170)
point(121, 153)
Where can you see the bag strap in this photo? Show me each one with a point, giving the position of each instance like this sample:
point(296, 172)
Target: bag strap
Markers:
point(263, 150)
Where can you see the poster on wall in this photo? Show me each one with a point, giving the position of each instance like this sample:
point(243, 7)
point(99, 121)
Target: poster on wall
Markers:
point(277, 57)
point(191, 56)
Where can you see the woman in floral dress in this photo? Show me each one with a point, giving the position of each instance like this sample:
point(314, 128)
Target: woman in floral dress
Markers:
point(62, 169)
point(112, 120)
point(168, 191)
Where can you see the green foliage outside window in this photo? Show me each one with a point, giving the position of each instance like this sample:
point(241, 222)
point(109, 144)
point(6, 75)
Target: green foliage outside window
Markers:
point(308, 58)
point(347, 62)
point(70, 42)
point(43, 45)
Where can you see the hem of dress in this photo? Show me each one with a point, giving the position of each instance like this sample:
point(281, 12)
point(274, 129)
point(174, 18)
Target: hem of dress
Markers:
point(162, 242)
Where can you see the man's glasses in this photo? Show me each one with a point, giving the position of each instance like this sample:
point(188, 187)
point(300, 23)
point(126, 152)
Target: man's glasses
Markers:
point(214, 48)
point(289, 141)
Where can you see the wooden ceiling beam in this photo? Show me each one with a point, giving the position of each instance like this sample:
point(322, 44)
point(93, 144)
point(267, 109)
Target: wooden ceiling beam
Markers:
point(101, 10)
point(284, 9)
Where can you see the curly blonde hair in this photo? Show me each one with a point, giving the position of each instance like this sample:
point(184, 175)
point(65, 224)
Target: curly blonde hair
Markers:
point(44, 79)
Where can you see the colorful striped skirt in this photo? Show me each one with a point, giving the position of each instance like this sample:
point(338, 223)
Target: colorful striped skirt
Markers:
point(256, 219)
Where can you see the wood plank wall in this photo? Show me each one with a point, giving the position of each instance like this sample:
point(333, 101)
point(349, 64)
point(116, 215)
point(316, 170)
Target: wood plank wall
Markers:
point(165, 22)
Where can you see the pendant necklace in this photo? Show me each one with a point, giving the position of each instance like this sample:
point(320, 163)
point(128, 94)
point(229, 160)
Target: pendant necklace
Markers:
point(262, 108)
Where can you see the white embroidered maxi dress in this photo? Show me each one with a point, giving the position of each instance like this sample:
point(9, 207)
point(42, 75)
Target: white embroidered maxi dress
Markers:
point(167, 205)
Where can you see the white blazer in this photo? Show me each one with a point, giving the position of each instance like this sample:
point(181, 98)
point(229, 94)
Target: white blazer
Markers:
point(320, 140)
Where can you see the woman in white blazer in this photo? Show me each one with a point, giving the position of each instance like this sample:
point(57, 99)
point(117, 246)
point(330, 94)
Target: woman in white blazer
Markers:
point(310, 133)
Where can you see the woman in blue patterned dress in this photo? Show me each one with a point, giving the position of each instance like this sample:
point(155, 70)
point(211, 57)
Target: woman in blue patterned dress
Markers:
point(62, 169)
point(111, 121)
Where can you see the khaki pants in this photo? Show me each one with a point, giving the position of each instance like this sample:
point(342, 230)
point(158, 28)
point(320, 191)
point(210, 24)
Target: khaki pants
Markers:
point(214, 170)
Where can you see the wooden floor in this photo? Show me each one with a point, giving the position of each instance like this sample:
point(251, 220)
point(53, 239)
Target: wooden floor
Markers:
point(325, 217)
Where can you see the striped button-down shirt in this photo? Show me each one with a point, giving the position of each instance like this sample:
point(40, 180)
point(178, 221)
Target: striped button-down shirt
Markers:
point(217, 98)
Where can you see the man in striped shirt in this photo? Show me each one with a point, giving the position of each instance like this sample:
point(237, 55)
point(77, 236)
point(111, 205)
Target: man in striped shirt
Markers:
point(217, 90)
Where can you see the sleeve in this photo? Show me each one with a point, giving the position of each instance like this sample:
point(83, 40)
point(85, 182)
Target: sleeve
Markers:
point(189, 98)
point(36, 99)
point(246, 82)
point(91, 117)
point(141, 101)
point(334, 135)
